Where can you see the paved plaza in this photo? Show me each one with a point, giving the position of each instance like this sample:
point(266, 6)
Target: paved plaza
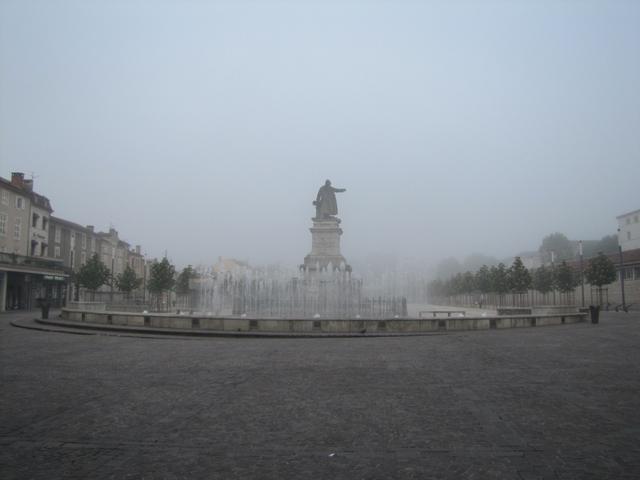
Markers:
point(551, 402)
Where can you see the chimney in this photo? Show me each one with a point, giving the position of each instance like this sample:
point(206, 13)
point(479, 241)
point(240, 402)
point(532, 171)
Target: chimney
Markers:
point(113, 232)
point(28, 185)
point(90, 228)
point(17, 179)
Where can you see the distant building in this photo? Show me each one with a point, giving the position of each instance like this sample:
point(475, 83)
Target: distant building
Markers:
point(26, 271)
point(231, 266)
point(72, 244)
point(531, 260)
point(15, 209)
point(629, 230)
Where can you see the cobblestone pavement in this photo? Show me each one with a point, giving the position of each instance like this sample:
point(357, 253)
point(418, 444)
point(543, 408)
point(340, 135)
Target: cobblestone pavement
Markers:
point(552, 402)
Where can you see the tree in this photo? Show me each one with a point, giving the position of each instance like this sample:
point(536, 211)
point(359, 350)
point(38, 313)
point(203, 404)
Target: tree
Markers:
point(557, 243)
point(468, 282)
point(565, 279)
point(436, 290)
point(161, 278)
point(93, 274)
point(499, 280)
point(127, 281)
point(607, 244)
point(601, 271)
point(519, 277)
point(543, 280)
point(182, 282)
point(483, 279)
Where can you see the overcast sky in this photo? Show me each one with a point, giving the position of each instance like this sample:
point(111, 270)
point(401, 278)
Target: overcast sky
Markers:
point(206, 128)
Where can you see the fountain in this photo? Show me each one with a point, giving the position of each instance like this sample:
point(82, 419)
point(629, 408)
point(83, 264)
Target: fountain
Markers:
point(325, 288)
point(322, 297)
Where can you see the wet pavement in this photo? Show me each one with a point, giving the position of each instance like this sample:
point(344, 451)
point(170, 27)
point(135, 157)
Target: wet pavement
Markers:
point(555, 402)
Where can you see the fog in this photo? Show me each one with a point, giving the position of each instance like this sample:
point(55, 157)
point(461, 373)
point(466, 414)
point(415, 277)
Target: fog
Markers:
point(205, 129)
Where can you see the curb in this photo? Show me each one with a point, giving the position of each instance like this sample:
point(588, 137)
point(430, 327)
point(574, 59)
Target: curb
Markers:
point(93, 329)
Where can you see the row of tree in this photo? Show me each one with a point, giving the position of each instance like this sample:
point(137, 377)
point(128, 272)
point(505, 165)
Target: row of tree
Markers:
point(518, 280)
point(554, 247)
point(162, 278)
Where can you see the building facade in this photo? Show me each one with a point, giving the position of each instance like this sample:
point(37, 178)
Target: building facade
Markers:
point(15, 208)
point(27, 274)
point(629, 230)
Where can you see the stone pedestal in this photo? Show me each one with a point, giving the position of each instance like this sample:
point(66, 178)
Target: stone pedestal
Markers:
point(325, 247)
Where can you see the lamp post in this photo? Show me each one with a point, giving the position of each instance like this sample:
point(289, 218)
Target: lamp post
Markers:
point(553, 269)
point(624, 307)
point(581, 272)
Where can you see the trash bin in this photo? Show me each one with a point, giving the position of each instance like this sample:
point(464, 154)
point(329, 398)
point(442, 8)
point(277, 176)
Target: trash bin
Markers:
point(44, 308)
point(594, 310)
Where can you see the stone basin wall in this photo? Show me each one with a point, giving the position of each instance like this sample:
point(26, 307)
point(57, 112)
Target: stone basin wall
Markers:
point(273, 325)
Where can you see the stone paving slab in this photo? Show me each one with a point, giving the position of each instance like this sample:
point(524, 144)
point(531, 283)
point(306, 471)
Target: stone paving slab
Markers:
point(559, 403)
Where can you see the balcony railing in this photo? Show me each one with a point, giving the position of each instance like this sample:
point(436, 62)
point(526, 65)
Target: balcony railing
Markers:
point(21, 260)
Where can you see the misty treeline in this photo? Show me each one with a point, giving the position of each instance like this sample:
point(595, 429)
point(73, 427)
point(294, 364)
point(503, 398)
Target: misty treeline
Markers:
point(514, 285)
point(162, 280)
point(553, 247)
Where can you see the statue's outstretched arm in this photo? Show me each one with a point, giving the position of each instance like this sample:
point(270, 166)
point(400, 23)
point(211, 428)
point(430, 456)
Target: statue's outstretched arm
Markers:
point(339, 190)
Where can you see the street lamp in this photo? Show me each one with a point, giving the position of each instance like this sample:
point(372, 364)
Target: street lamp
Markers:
point(624, 306)
point(581, 272)
point(553, 259)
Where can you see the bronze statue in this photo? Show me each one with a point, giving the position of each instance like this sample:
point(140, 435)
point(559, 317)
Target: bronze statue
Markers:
point(325, 203)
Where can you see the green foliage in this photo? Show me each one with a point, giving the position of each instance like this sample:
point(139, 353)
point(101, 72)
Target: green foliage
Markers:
point(93, 274)
point(607, 244)
point(182, 282)
point(543, 280)
point(601, 271)
point(564, 278)
point(519, 279)
point(483, 279)
point(162, 276)
point(499, 279)
point(468, 283)
point(557, 243)
point(127, 281)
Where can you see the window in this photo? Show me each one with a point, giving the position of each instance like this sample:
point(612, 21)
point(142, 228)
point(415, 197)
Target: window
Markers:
point(3, 224)
point(628, 274)
point(19, 202)
point(636, 219)
point(628, 235)
point(71, 258)
point(636, 273)
point(17, 229)
point(56, 250)
point(34, 220)
point(84, 241)
point(83, 258)
point(58, 234)
point(5, 197)
point(73, 240)
point(93, 244)
point(43, 249)
point(45, 223)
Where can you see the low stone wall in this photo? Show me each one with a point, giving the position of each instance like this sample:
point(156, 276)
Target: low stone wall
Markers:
point(89, 306)
point(538, 310)
point(311, 326)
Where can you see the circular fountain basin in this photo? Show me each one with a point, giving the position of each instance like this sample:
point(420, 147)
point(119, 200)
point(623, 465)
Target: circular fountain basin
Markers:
point(208, 324)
